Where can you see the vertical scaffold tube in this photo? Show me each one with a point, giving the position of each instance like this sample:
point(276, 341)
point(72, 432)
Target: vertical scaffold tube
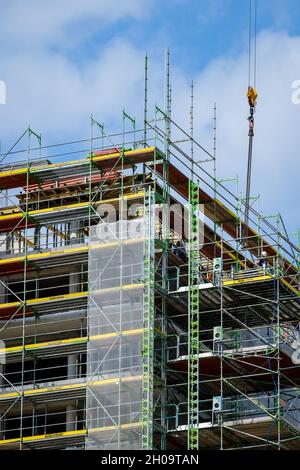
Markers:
point(194, 301)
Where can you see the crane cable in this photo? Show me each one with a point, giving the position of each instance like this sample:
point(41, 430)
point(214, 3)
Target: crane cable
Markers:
point(252, 15)
point(252, 98)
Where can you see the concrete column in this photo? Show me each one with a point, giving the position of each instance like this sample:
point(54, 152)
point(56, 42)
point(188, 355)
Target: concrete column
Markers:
point(71, 409)
point(72, 366)
point(70, 418)
point(8, 245)
point(37, 237)
point(75, 275)
point(74, 280)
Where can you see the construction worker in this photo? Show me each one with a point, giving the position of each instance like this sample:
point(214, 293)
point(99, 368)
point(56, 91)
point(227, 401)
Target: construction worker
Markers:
point(262, 261)
point(174, 248)
point(138, 184)
point(182, 254)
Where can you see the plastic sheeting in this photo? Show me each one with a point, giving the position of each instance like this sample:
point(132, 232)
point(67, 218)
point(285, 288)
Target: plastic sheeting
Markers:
point(115, 328)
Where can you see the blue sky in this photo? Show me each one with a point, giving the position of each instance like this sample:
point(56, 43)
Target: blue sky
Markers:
point(195, 30)
point(63, 60)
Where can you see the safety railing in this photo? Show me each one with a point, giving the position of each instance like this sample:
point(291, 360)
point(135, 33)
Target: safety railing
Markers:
point(179, 277)
point(233, 341)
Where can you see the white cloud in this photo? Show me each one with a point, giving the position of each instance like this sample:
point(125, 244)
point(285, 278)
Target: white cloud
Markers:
point(37, 23)
point(276, 163)
point(46, 86)
point(56, 94)
point(213, 10)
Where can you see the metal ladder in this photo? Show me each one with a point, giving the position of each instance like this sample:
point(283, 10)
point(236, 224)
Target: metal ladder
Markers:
point(148, 324)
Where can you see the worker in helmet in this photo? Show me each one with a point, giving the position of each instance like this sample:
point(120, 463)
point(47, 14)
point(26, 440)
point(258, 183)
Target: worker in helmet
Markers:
point(181, 251)
point(262, 261)
point(138, 183)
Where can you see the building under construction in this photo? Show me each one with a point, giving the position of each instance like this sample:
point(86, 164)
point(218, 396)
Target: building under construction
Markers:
point(123, 329)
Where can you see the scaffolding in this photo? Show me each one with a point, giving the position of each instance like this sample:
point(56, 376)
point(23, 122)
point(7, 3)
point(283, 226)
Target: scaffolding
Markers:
point(122, 329)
